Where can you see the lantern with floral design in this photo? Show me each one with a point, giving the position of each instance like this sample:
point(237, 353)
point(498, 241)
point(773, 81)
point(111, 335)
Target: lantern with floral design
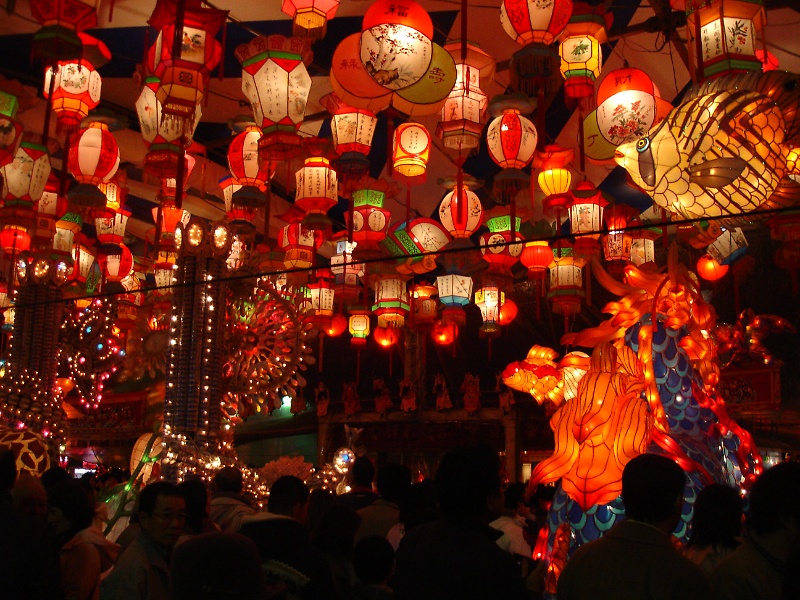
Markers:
point(391, 300)
point(411, 147)
point(183, 64)
point(93, 159)
point(166, 138)
point(581, 56)
point(533, 21)
point(460, 211)
point(310, 17)
point(461, 124)
point(455, 292)
point(276, 83)
point(317, 192)
point(724, 36)
point(586, 218)
point(352, 130)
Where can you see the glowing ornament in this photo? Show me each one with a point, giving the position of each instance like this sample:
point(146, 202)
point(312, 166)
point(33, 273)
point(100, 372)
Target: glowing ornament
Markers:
point(709, 269)
point(411, 148)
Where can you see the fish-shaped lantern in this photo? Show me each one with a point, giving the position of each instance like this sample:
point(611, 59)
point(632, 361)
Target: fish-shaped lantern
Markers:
point(723, 150)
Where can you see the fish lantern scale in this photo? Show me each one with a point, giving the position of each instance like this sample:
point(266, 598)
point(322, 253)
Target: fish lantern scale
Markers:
point(455, 292)
point(533, 21)
point(317, 191)
point(586, 218)
point(460, 211)
point(93, 159)
point(460, 127)
point(370, 221)
point(410, 150)
point(247, 170)
point(165, 138)
point(276, 83)
point(183, 68)
point(581, 55)
point(310, 17)
point(724, 36)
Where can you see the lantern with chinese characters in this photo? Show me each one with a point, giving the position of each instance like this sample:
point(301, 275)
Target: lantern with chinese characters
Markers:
point(111, 231)
point(411, 147)
point(116, 192)
point(511, 139)
point(183, 64)
point(317, 191)
point(93, 159)
point(358, 325)
point(352, 130)
point(83, 256)
point(455, 292)
point(489, 299)
point(391, 301)
point(76, 84)
point(618, 241)
point(643, 246)
point(49, 208)
point(236, 212)
point(300, 245)
point(62, 21)
point(586, 218)
point(709, 269)
point(11, 130)
point(729, 246)
point(165, 138)
point(424, 303)
point(310, 17)
point(501, 247)
point(322, 296)
point(276, 83)
point(581, 56)
point(460, 211)
point(396, 47)
point(724, 36)
point(346, 271)
point(566, 281)
point(370, 221)
point(460, 127)
point(25, 177)
point(533, 21)
point(247, 170)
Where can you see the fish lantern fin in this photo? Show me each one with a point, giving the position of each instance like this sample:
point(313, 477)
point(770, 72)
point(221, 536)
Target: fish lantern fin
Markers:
point(717, 173)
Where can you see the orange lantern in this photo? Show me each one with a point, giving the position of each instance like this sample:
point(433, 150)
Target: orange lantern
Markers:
point(444, 333)
point(411, 148)
point(300, 245)
point(586, 217)
point(508, 312)
point(310, 17)
point(183, 64)
point(336, 326)
point(709, 269)
point(117, 265)
point(358, 325)
point(386, 336)
point(532, 21)
point(643, 247)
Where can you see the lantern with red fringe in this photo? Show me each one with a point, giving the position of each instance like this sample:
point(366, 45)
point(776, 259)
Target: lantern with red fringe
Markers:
point(111, 230)
point(165, 138)
point(183, 67)
point(533, 21)
point(455, 292)
point(411, 149)
point(554, 178)
point(310, 17)
point(93, 159)
point(276, 83)
point(460, 211)
point(236, 212)
point(581, 56)
point(322, 297)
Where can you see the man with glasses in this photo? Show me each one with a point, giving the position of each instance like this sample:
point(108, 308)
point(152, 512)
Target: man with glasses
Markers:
point(142, 570)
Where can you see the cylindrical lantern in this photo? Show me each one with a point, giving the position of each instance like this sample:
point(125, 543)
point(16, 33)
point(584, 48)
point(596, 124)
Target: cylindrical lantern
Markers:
point(358, 325)
point(351, 130)
point(554, 178)
point(566, 281)
point(586, 218)
point(617, 243)
point(111, 231)
point(93, 159)
point(728, 247)
point(536, 257)
point(411, 148)
point(460, 211)
point(534, 21)
point(310, 17)
point(317, 191)
point(391, 301)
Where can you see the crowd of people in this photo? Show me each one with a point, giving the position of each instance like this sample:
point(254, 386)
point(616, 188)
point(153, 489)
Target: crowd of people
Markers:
point(465, 535)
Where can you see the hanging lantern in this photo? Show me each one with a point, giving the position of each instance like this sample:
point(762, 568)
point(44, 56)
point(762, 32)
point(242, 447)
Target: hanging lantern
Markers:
point(115, 194)
point(554, 178)
point(724, 36)
point(25, 177)
point(386, 337)
point(617, 244)
point(769, 62)
point(566, 281)
point(247, 169)
point(76, 84)
point(729, 246)
point(508, 312)
point(14, 239)
point(489, 300)
point(416, 242)
point(352, 130)
point(411, 148)
point(310, 17)
point(536, 256)
point(93, 159)
point(511, 138)
point(276, 83)
point(317, 192)
point(166, 138)
point(391, 301)
point(444, 334)
point(337, 326)
point(183, 70)
point(497, 246)
point(709, 269)
point(83, 257)
point(460, 127)
point(48, 209)
point(116, 265)
point(586, 218)
point(424, 301)
point(370, 221)
point(12, 130)
point(300, 245)
point(460, 211)
point(322, 296)
point(111, 231)
point(643, 246)
point(581, 56)
point(533, 21)
point(358, 325)
point(236, 212)
point(62, 22)
point(171, 218)
point(346, 271)
point(67, 228)
point(455, 292)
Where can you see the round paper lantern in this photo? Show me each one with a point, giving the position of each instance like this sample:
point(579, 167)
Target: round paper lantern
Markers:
point(310, 17)
point(116, 266)
point(444, 334)
point(511, 137)
point(534, 21)
point(626, 105)
point(246, 168)
point(424, 301)
point(536, 257)
point(336, 326)
point(554, 177)
point(93, 159)
point(386, 336)
point(508, 312)
point(396, 47)
point(411, 148)
point(14, 239)
point(709, 269)
point(460, 211)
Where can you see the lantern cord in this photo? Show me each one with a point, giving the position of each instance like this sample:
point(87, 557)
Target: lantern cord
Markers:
point(111, 11)
point(408, 204)
point(159, 222)
point(180, 175)
point(267, 207)
point(581, 141)
point(391, 358)
point(464, 5)
point(177, 37)
point(358, 366)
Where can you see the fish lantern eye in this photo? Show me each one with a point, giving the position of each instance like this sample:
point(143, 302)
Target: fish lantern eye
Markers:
point(643, 144)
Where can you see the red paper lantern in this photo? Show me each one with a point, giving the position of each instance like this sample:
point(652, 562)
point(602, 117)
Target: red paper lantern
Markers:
point(508, 312)
point(444, 333)
point(317, 191)
point(370, 220)
point(460, 211)
point(336, 326)
point(247, 169)
point(93, 159)
point(183, 76)
point(709, 269)
point(386, 336)
point(300, 244)
point(117, 265)
point(14, 239)
point(532, 21)
point(536, 257)
point(310, 17)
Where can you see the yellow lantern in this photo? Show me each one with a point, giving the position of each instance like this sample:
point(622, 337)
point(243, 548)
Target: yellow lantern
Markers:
point(411, 149)
point(581, 56)
point(358, 325)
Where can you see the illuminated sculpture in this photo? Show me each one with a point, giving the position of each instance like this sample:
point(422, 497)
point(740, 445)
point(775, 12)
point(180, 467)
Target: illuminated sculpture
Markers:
point(649, 388)
point(730, 158)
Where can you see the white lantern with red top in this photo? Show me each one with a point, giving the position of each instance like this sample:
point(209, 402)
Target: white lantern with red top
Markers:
point(317, 191)
point(93, 159)
point(461, 211)
point(300, 244)
point(586, 218)
point(247, 169)
point(534, 21)
point(351, 130)
point(310, 17)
